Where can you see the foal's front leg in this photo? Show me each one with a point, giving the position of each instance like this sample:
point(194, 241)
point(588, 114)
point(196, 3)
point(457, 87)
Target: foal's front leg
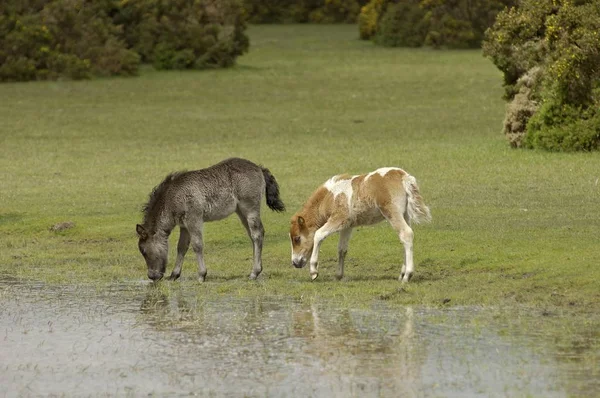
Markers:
point(182, 248)
point(329, 228)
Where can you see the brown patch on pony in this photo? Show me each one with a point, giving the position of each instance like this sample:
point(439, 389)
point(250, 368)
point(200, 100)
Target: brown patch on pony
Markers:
point(382, 190)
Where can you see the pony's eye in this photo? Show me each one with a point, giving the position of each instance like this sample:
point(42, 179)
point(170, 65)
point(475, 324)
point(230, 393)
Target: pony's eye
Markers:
point(296, 239)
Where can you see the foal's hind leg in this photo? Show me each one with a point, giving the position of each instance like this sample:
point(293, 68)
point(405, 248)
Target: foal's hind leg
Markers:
point(182, 248)
point(342, 250)
point(396, 218)
point(254, 227)
point(195, 230)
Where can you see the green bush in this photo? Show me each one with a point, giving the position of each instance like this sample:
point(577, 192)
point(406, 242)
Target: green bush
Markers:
point(450, 32)
point(460, 23)
point(61, 39)
point(562, 40)
point(51, 39)
point(446, 23)
point(563, 128)
point(402, 25)
point(185, 34)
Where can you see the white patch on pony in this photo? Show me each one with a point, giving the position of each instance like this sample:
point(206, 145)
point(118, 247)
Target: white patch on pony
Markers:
point(340, 186)
point(383, 171)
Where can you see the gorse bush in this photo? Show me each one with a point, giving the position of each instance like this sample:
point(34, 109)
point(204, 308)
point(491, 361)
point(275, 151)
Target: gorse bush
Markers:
point(63, 38)
point(369, 17)
point(460, 23)
point(434, 23)
point(560, 40)
point(51, 39)
point(184, 34)
point(402, 25)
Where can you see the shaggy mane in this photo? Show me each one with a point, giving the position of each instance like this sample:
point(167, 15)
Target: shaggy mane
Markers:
point(158, 192)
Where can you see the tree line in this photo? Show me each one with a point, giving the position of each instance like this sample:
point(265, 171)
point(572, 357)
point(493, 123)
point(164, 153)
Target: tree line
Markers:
point(547, 50)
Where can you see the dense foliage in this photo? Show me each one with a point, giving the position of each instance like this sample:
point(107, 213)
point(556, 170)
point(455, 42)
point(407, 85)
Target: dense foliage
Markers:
point(315, 11)
point(182, 34)
point(51, 39)
point(63, 38)
point(402, 25)
point(435, 23)
point(549, 52)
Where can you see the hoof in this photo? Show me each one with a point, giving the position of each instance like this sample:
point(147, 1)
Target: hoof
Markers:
point(253, 276)
point(404, 278)
point(201, 278)
point(339, 277)
point(313, 276)
point(173, 277)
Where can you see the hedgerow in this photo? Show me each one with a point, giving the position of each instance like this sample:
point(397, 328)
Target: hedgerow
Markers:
point(76, 39)
point(434, 23)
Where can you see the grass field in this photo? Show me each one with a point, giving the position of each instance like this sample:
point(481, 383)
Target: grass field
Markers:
point(510, 227)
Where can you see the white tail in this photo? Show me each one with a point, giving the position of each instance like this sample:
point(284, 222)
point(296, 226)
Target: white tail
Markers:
point(416, 208)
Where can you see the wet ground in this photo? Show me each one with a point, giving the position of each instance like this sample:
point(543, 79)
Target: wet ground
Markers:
point(140, 339)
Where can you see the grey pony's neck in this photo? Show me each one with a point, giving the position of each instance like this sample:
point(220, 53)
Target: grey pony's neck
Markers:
point(160, 222)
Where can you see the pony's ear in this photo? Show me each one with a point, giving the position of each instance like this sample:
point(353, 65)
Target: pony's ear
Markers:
point(300, 221)
point(141, 231)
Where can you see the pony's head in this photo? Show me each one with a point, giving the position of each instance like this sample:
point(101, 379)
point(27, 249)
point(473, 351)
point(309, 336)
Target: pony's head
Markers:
point(302, 241)
point(154, 248)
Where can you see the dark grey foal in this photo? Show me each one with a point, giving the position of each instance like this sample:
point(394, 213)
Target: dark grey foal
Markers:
point(190, 198)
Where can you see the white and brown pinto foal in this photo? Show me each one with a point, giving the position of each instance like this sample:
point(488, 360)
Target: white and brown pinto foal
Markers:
point(344, 202)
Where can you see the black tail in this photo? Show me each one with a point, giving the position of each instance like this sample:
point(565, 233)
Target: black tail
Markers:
point(272, 190)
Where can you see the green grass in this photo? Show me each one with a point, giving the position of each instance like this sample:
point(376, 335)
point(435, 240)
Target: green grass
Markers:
point(510, 227)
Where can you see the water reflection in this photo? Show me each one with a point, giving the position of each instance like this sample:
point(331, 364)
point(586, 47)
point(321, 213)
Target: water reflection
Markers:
point(281, 347)
point(169, 339)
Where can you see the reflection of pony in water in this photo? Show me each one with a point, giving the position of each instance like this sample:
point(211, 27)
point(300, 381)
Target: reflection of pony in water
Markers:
point(364, 353)
point(344, 202)
point(191, 198)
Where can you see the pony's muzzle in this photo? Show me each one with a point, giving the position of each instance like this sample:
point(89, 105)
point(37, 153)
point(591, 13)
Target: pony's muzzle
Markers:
point(155, 275)
point(299, 262)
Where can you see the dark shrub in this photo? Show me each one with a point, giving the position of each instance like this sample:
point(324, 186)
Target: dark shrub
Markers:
point(61, 38)
point(402, 25)
point(269, 11)
point(51, 39)
point(460, 23)
point(183, 34)
point(564, 128)
point(447, 23)
point(450, 32)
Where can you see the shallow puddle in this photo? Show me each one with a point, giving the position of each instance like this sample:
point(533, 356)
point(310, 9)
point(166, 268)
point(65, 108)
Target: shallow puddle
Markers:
point(142, 339)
